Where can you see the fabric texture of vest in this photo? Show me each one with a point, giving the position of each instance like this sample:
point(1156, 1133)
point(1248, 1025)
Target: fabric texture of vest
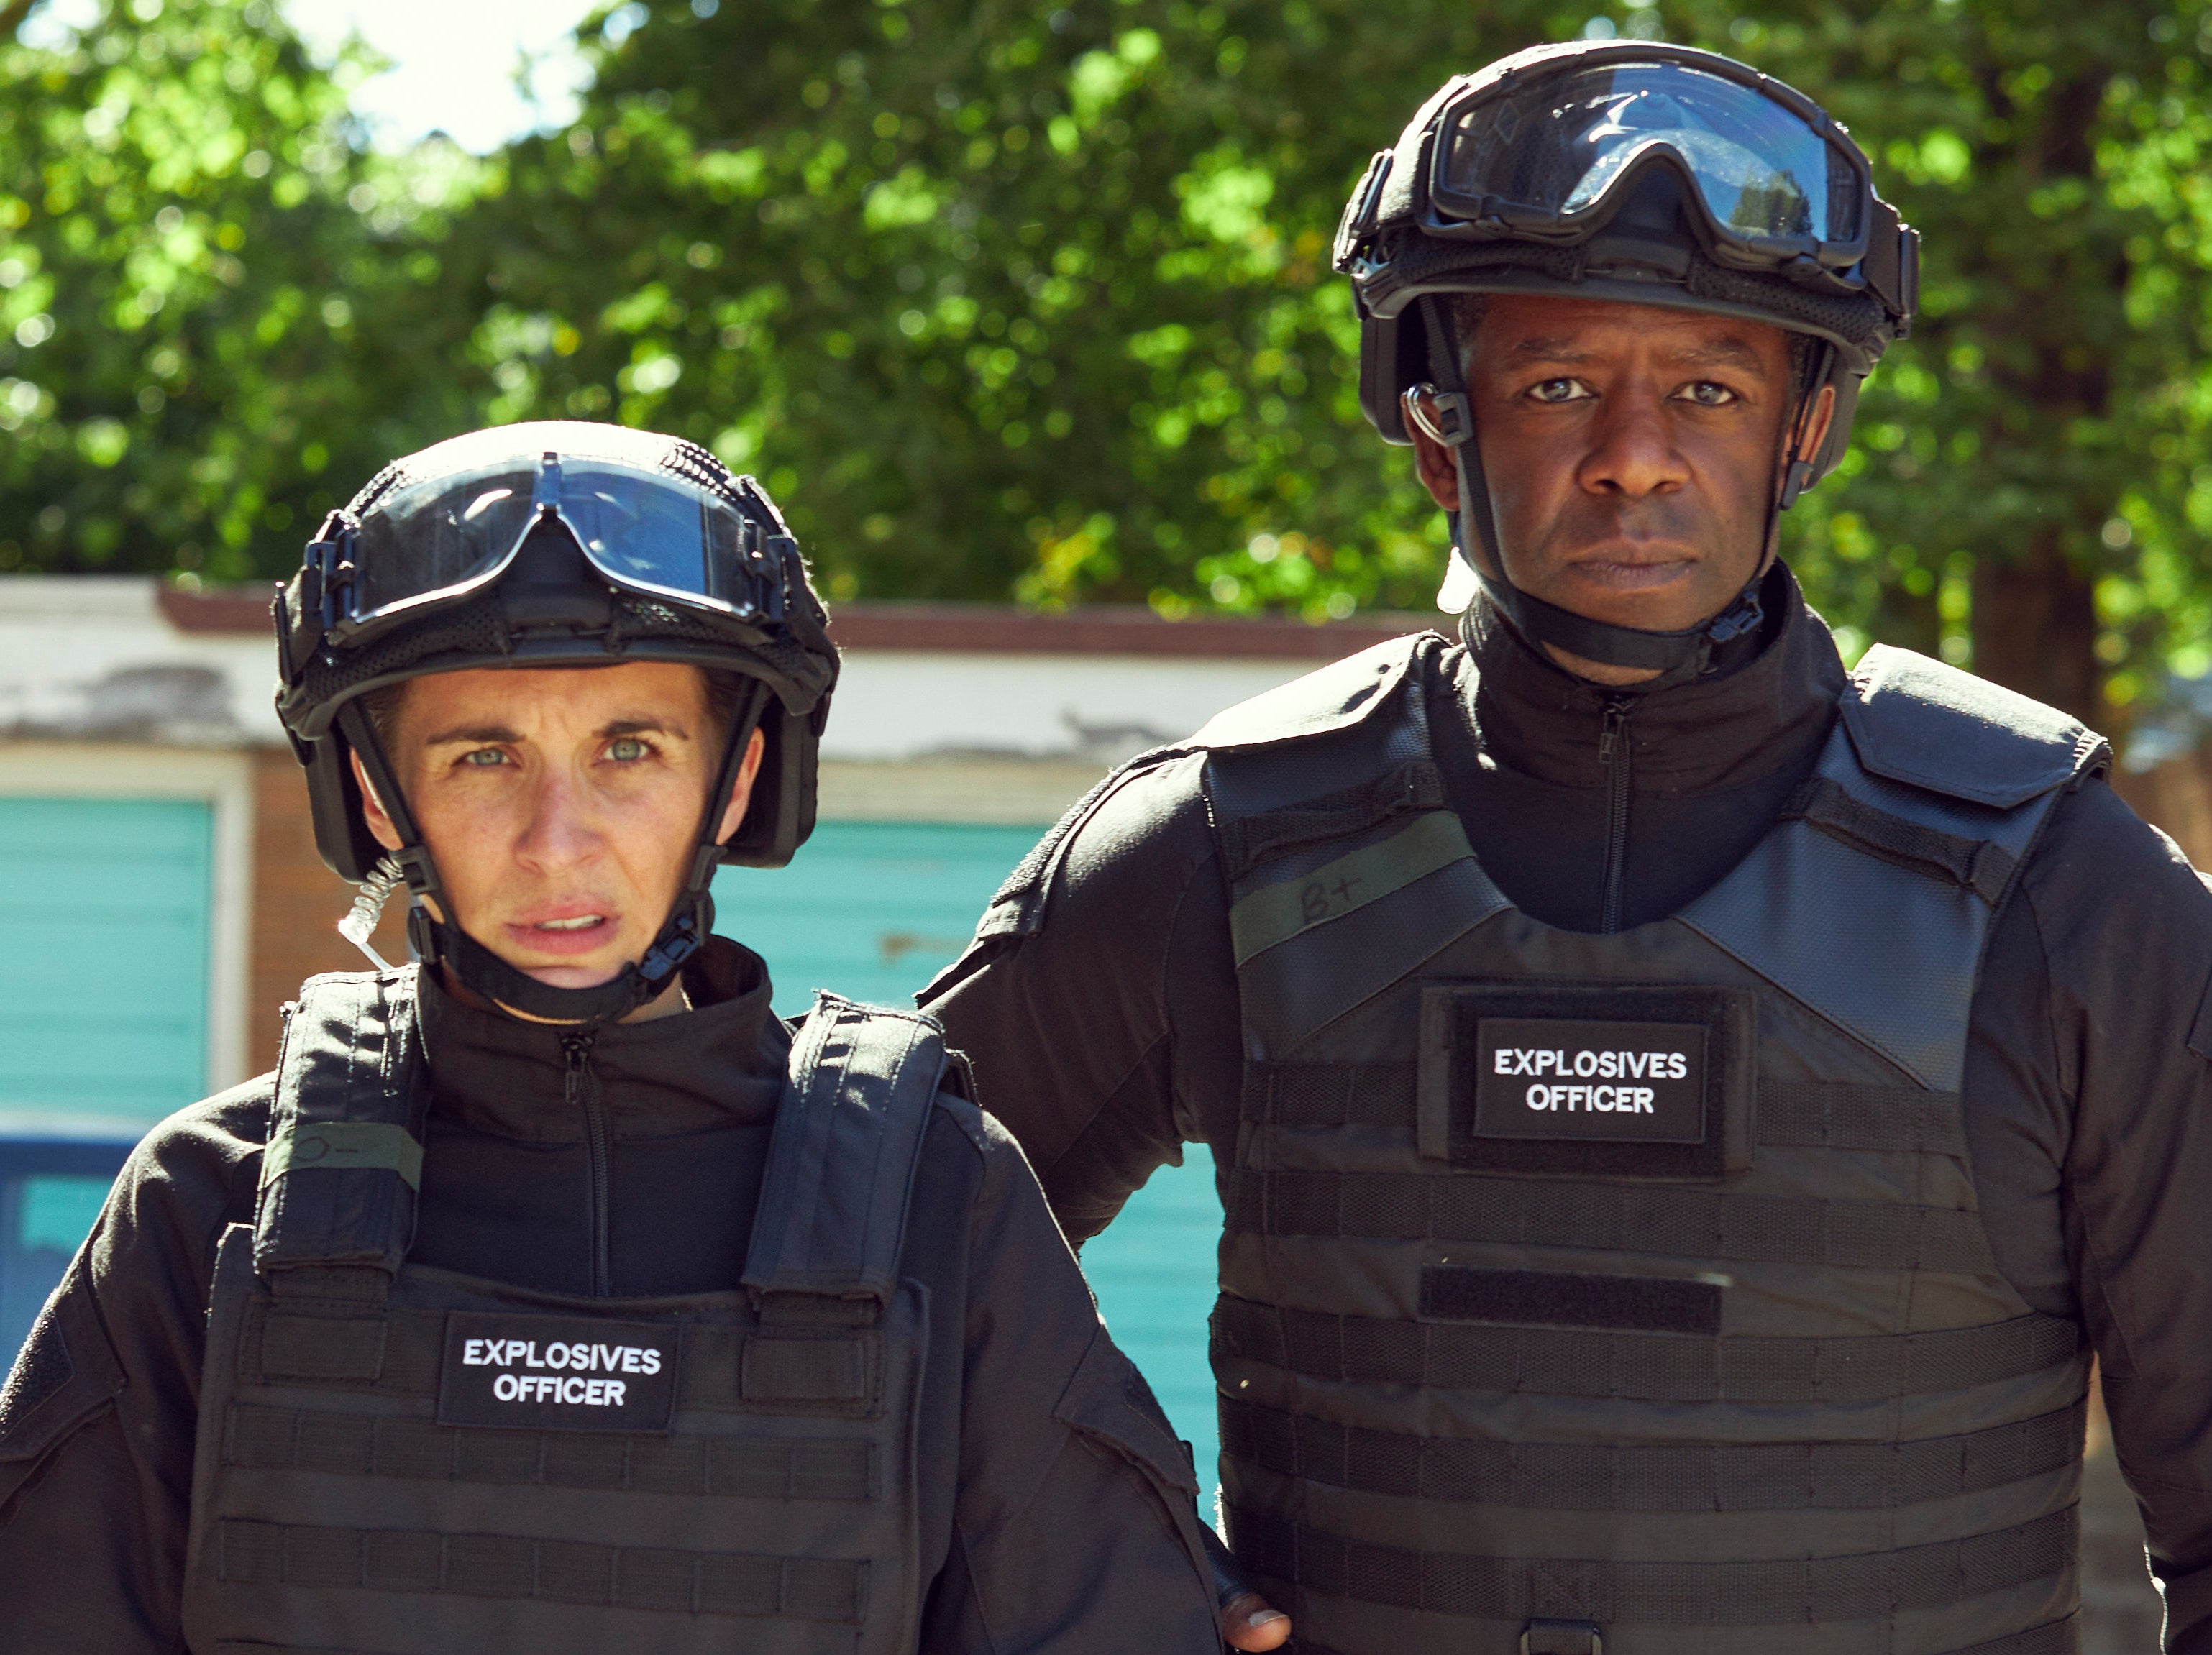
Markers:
point(1627, 1292)
point(397, 1460)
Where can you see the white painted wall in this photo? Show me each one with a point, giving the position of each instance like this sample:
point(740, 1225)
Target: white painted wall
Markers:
point(91, 657)
point(914, 704)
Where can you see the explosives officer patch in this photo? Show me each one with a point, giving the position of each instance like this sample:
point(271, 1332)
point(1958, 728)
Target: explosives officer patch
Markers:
point(557, 1373)
point(1615, 1083)
point(1625, 1080)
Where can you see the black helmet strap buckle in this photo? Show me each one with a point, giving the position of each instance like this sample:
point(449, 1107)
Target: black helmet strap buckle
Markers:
point(442, 941)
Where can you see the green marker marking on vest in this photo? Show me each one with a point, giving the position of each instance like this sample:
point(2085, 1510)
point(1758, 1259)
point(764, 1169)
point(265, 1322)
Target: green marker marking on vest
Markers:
point(1275, 914)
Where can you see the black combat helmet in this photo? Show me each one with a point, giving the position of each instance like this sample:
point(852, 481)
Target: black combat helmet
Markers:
point(560, 543)
point(1649, 174)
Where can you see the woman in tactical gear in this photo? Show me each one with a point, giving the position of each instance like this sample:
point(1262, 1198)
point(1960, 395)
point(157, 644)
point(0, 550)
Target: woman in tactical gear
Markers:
point(1687, 1113)
point(552, 1294)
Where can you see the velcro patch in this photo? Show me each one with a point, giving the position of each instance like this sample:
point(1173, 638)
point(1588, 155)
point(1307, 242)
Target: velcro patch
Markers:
point(1603, 1080)
point(557, 1373)
point(1615, 1083)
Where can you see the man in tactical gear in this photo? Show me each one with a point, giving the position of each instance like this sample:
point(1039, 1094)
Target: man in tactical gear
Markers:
point(552, 1294)
point(1686, 1114)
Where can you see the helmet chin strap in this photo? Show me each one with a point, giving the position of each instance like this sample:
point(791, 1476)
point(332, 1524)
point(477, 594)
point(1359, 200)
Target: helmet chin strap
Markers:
point(441, 942)
point(1444, 413)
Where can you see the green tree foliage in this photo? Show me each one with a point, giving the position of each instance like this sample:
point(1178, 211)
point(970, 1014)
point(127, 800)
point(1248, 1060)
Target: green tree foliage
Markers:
point(1014, 300)
point(2028, 489)
point(1007, 301)
point(218, 313)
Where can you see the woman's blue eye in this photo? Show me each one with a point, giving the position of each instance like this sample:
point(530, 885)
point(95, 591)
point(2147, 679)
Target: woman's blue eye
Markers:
point(627, 748)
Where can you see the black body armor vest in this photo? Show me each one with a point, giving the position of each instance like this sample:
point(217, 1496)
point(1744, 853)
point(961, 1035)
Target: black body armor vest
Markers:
point(397, 1460)
point(1627, 1292)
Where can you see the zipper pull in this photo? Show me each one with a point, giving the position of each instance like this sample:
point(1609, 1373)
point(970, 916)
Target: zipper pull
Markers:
point(577, 1050)
point(1615, 730)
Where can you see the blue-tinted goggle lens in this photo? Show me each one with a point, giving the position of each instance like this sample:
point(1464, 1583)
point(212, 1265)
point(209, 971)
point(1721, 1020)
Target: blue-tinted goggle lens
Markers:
point(643, 531)
point(1553, 149)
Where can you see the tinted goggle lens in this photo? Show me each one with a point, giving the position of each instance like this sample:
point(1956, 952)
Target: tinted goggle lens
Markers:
point(643, 530)
point(1554, 149)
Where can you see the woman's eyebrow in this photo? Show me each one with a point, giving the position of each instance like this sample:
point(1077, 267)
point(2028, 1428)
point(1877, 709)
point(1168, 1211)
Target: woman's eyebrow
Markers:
point(474, 735)
point(650, 727)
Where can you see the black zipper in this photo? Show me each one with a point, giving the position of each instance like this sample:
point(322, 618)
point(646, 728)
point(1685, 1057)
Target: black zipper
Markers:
point(1613, 754)
point(582, 1086)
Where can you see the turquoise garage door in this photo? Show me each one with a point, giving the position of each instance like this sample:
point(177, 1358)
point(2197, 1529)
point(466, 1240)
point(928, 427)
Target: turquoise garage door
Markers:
point(105, 926)
point(874, 910)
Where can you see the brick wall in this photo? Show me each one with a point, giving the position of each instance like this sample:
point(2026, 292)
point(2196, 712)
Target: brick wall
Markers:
point(297, 904)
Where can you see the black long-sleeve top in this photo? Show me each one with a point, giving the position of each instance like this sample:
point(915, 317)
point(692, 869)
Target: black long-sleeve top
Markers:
point(1037, 1535)
point(1111, 1036)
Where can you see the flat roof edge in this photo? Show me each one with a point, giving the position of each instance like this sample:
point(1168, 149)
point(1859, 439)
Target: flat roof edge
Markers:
point(975, 628)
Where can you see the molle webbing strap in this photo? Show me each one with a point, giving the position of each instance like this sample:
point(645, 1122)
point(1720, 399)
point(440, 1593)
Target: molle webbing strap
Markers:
point(728, 1467)
point(1982, 865)
point(1247, 841)
point(1552, 1298)
point(1638, 1218)
point(1790, 1114)
point(1865, 1586)
point(1694, 1477)
point(344, 1153)
point(2058, 1638)
point(1901, 1118)
point(550, 1571)
point(840, 1163)
point(1642, 1366)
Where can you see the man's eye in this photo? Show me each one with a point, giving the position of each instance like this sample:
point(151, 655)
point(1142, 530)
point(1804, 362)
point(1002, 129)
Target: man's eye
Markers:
point(1557, 390)
point(1706, 394)
point(484, 758)
point(626, 749)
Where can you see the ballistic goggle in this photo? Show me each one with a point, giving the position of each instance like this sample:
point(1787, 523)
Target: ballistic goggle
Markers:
point(429, 545)
point(1540, 149)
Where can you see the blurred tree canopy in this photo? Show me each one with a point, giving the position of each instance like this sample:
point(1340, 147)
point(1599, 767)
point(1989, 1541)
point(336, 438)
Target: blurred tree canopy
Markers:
point(1027, 300)
point(216, 309)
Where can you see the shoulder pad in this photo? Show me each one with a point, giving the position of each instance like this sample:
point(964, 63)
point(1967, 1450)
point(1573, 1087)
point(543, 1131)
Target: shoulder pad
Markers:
point(841, 1161)
point(1341, 695)
point(1018, 907)
point(344, 1157)
point(1917, 721)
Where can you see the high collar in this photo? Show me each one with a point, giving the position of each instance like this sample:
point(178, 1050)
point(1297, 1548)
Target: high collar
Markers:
point(719, 1064)
point(1746, 719)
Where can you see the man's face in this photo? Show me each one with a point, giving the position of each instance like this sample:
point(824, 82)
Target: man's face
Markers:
point(1632, 453)
point(560, 806)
